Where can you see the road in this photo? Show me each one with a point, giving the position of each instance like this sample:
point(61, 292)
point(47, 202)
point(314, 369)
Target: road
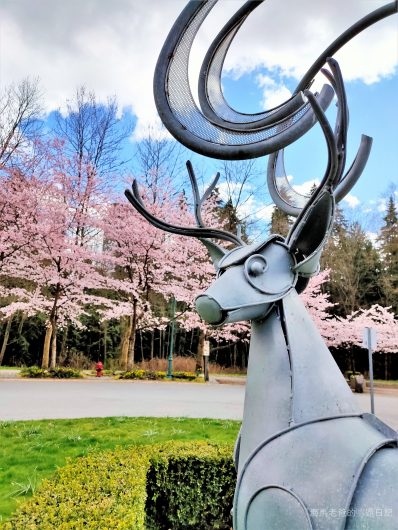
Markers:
point(40, 399)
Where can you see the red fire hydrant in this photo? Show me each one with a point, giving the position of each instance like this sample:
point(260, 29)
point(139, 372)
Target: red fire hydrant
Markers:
point(99, 369)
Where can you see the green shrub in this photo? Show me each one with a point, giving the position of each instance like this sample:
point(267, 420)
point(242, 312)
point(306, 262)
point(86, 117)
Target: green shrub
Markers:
point(141, 374)
point(190, 376)
point(154, 375)
point(33, 371)
point(64, 373)
point(59, 372)
point(178, 485)
point(190, 487)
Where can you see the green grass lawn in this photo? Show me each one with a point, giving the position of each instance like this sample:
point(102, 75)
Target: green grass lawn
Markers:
point(32, 450)
point(388, 382)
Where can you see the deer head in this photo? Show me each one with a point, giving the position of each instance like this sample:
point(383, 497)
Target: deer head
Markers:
point(250, 278)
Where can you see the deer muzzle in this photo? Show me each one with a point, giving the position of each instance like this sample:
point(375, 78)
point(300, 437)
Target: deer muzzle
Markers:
point(212, 312)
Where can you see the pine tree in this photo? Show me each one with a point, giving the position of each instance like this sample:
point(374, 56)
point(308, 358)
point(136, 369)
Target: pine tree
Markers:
point(388, 241)
point(356, 269)
point(280, 223)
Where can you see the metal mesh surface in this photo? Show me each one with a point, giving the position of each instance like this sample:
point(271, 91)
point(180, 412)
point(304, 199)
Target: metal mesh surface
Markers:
point(183, 105)
point(283, 187)
point(214, 90)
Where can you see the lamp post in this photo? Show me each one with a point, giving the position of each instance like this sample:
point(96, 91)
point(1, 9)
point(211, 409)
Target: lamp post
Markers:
point(172, 335)
point(370, 342)
point(206, 354)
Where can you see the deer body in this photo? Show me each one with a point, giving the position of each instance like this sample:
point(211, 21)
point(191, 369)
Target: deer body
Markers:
point(306, 457)
point(306, 453)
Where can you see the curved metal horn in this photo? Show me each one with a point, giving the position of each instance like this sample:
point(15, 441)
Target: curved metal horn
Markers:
point(284, 195)
point(190, 126)
point(211, 97)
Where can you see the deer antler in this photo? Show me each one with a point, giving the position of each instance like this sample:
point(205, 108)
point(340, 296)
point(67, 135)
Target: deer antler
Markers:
point(201, 231)
point(314, 222)
point(283, 194)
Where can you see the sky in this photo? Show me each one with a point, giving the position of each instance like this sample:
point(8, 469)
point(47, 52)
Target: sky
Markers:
point(112, 48)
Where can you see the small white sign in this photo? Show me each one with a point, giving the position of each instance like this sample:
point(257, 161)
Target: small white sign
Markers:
point(369, 338)
point(206, 348)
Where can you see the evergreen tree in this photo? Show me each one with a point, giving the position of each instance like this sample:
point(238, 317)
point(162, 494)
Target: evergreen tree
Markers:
point(280, 223)
point(388, 241)
point(356, 269)
point(230, 220)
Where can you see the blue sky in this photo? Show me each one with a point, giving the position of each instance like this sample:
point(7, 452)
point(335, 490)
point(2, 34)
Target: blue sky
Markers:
point(112, 47)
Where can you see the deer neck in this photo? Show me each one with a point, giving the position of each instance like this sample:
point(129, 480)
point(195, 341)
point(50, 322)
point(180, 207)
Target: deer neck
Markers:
point(292, 377)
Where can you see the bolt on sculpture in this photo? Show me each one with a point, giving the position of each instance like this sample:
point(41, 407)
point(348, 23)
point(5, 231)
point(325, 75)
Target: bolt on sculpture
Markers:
point(307, 458)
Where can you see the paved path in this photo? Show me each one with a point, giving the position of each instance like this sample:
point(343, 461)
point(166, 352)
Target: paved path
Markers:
point(38, 399)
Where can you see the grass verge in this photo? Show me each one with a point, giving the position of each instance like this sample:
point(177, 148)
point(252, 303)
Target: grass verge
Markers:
point(32, 450)
point(393, 383)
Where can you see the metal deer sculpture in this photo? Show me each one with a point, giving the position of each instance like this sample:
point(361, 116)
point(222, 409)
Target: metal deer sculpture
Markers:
point(306, 456)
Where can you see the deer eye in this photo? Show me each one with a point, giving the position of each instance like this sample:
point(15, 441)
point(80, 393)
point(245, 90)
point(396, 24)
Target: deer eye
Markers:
point(256, 265)
point(220, 272)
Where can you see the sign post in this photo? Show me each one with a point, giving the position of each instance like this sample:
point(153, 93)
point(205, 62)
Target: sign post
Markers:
point(370, 341)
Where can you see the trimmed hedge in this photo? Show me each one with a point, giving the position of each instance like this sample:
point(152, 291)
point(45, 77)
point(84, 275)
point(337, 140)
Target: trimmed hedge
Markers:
point(176, 485)
point(59, 372)
point(155, 375)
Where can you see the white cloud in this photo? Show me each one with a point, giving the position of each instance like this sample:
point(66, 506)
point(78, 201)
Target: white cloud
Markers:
point(307, 31)
point(351, 200)
point(265, 213)
point(112, 47)
point(273, 93)
point(373, 237)
point(306, 187)
point(381, 205)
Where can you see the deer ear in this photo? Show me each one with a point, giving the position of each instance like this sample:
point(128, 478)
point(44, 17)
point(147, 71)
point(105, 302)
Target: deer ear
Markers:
point(215, 251)
point(310, 232)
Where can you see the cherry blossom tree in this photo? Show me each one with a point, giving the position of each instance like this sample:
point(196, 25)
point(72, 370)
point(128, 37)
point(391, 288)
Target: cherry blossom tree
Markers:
point(382, 319)
point(53, 260)
point(318, 305)
point(145, 261)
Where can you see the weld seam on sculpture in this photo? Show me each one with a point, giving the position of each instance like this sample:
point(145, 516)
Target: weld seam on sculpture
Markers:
point(290, 492)
point(292, 427)
point(385, 443)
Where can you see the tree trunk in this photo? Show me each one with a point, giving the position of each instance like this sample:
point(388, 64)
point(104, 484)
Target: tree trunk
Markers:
point(385, 366)
point(62, 353)
point(21, 323)
point(191, 343)
point(5, 338)
point(127, 323)
point(152, 343)
point(46, 347)
point(130, 361)
point(141, 346)
point(105, 326)
point(199, 352)
point(53, 343)
point(234, 355)
point(161, 349)
point(50, 340)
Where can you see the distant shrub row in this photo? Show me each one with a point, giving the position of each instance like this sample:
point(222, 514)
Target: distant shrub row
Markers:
point(178, 485)
point(59, 372)
point(155, 375)
point(67, 373)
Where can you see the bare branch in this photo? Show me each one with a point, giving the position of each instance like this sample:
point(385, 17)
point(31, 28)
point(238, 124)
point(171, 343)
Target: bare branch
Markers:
point(20, 123)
